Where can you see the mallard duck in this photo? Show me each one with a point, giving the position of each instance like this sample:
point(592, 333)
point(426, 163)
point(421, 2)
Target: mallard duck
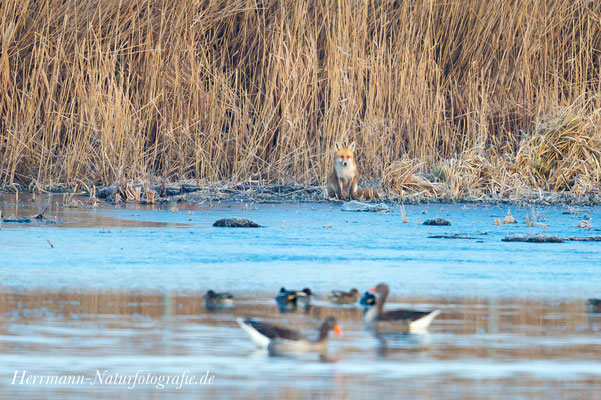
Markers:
point(293, 297)
point(594, 305)
point(368, 300)
point(217, 300)
point(279, 340)
point(341, 297)
point(405, 321)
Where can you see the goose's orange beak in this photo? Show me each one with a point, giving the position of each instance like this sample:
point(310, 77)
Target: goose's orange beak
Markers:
point(337, 329)
point(373, 290)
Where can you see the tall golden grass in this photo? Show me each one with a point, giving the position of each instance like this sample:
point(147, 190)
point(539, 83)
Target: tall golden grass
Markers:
point(462, 94)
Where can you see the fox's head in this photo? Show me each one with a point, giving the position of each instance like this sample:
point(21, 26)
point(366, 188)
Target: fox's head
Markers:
point(345, 155)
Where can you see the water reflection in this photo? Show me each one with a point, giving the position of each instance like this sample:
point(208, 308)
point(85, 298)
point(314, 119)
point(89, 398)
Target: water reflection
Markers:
point(81, 215)
point(402, 343)
point(473, 341)
point(292, 308)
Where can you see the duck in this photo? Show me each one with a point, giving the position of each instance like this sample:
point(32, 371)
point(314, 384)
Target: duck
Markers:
point(342, 297)
point(292, 297)
point(278, 340)
point(594, 305)
point(368, 300)
point(402, 321)
point(218, 300)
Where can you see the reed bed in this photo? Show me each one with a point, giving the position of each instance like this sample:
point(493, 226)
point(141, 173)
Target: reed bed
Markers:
point(454, 99)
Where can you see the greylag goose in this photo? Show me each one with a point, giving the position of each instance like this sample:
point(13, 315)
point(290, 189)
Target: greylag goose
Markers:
point(405, 321)
point(218, 300)
point(341, 297)
point(279, 340)
point(293, 297)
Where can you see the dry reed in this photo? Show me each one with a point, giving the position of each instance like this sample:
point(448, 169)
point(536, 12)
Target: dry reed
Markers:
point(460, 99)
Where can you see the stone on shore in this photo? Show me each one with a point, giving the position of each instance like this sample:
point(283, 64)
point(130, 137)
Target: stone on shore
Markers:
point(357, 206)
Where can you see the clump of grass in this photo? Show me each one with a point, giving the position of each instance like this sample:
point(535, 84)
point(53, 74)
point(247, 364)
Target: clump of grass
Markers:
point(401, 177)
point(467, 175)
point(509, 219)
point(563, 152)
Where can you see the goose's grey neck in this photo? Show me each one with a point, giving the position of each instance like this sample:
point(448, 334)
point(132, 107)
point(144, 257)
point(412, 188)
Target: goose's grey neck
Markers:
point(382, 295)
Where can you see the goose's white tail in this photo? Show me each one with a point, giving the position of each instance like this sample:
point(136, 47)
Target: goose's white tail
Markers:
point(258, 339)
point(420, 325)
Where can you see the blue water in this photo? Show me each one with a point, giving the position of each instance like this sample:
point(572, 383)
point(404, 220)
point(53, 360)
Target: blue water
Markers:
point(359, 249)
point(120, 288)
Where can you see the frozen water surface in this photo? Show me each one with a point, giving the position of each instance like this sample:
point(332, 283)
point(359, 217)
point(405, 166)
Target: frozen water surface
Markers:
point(119, 288)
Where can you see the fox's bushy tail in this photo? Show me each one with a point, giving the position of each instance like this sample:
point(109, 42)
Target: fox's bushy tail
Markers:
point(367, 194)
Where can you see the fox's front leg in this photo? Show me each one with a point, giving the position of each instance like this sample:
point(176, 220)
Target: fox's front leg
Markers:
point(352, 191)
point(340, 190)
point(332, 190)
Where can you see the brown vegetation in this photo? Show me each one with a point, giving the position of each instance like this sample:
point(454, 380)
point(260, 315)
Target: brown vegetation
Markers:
point(456, 99)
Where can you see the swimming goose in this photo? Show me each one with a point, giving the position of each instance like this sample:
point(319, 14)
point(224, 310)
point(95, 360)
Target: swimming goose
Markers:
point(404, 321)
point(341, 297)
point(279, 340)
point(217, 300)
point(292, 297)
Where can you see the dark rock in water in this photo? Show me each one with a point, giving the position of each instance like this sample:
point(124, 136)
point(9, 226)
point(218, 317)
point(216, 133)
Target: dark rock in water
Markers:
point(536, 238)
point(236, 223)
point(437, 222)
point(542, 238)
point(16, 220)
point(455, 236)
point(586, 239)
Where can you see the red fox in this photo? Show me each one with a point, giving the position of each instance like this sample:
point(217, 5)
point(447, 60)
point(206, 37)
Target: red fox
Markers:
point(342, 182)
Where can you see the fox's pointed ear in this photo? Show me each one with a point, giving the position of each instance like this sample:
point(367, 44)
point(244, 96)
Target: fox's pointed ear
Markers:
point(337, 146)
point(352, 146)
